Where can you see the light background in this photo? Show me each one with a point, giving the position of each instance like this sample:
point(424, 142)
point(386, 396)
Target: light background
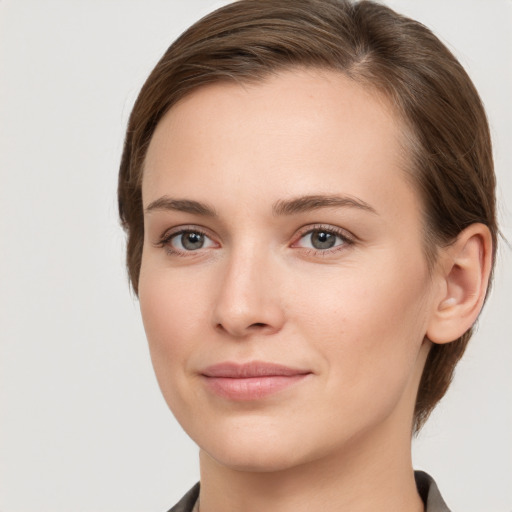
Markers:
point(82, 424)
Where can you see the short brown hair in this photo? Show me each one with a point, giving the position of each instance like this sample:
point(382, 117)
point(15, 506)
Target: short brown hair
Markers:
point(448, 136)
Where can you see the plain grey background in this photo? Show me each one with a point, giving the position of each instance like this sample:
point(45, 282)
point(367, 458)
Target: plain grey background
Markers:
point(82, 424)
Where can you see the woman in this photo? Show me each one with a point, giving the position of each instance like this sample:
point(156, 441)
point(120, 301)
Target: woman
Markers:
point(308, 192)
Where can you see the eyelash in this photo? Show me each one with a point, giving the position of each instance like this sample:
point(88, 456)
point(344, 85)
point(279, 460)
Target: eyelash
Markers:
point(346, 239)
point(168, 236)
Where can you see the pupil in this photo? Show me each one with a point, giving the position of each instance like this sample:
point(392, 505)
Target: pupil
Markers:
point(322, 240)
point(192, 240)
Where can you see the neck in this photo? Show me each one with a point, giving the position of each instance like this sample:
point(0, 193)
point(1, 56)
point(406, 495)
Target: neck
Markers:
point(364, 478)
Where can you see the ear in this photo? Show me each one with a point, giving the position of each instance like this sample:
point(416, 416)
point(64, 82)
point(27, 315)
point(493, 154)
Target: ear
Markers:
point(462, 271)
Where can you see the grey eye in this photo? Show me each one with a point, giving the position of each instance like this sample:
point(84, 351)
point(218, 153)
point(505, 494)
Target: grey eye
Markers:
point(192, 241)
point(188, 241)
point(322, 239)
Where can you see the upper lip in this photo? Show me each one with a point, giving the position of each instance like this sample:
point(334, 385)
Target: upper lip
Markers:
point(251, 369)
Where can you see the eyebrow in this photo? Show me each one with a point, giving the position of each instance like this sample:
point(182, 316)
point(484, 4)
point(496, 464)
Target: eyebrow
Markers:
point(282, 207)
point(315, 202)
point(181, 205)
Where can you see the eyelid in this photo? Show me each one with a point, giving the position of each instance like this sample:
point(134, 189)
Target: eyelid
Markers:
point(166, 237)
point(347, 237)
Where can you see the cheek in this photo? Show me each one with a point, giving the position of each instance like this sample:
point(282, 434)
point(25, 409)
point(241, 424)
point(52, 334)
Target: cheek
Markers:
point(369, 303)
point(175, 313)
point(368, 324)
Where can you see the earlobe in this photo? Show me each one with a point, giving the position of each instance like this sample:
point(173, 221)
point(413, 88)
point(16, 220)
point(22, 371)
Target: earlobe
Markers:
point(463, 272)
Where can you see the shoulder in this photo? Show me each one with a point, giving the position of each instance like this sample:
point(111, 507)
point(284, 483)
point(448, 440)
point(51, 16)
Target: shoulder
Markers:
point(186, 504)
point(429, 492)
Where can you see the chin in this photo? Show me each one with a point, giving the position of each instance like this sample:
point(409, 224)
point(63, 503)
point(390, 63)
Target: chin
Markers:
point(253, 459)
point(258, 448)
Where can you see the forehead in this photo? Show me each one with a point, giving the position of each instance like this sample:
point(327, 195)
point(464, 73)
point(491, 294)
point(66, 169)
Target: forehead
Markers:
point(294, 132)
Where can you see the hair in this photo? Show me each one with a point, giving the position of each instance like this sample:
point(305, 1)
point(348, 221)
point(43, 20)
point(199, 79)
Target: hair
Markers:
point(448, 140)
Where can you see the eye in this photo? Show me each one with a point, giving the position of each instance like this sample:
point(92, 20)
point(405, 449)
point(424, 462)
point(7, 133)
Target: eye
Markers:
point(187, 240)
point(322, 239)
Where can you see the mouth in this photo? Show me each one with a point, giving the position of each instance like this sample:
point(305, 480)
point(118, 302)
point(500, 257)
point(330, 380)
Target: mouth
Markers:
point(251, 381)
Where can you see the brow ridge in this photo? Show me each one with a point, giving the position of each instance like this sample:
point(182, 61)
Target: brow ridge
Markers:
point(181, 205)
point(314, 202)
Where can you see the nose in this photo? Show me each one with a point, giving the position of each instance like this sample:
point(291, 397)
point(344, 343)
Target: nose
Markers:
point(248, 301)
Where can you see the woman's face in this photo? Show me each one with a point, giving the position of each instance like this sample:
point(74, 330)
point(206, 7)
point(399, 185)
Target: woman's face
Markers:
point(283, 288)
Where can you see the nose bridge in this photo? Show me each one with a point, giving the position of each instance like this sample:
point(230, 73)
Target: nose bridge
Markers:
point(248, 300)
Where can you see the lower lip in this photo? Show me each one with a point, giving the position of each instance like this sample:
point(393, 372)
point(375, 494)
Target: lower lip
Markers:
point(251, 388)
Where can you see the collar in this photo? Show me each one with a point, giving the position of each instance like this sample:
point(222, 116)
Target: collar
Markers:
point(427, 489)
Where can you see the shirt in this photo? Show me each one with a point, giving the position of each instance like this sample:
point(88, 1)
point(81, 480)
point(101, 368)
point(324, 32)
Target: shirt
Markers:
point(427, 489)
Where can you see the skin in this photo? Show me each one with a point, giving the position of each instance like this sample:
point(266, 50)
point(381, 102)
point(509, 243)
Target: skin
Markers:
point(354, 316)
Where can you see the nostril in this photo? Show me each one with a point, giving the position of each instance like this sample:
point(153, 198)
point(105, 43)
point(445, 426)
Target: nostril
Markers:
point(258, 324)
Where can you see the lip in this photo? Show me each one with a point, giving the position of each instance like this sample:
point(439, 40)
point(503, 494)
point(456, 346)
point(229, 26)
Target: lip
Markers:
point(250, 381)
